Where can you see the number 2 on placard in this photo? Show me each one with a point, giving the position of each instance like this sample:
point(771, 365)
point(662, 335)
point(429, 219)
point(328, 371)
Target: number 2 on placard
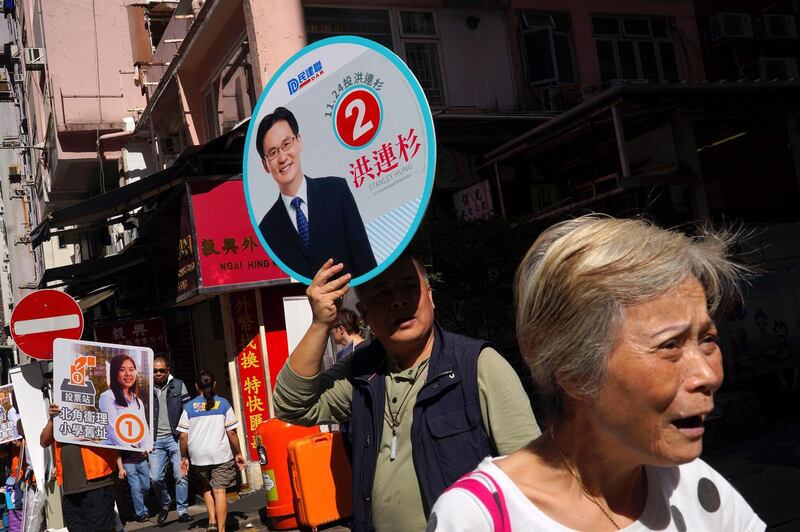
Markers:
point(359, 128)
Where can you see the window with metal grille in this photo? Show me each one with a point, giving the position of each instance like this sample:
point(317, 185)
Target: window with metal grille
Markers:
point(419, 40)
point(323, 22)
point(420, 43)
point(634, 48)
point(418, 23)
point(423, 60)
point(547, 48)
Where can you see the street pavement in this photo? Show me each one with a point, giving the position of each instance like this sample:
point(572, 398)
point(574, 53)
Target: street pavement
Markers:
point(245, 512)
point(765, 469)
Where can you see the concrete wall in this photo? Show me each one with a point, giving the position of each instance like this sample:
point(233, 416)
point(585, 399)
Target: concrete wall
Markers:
point(476, 67)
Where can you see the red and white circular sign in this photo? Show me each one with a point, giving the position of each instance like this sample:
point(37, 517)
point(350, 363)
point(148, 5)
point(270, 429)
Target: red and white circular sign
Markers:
point(41, 317)
point(358, 117)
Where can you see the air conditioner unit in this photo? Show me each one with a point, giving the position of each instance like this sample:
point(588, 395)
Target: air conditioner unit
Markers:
point(731, 26)
point(19, 78)
point(551, 99)
point(776, 27)
point(781, 68)
point(34, 58)
point(11, 51)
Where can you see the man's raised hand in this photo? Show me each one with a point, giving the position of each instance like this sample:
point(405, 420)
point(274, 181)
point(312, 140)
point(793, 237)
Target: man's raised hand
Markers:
point(324, 294)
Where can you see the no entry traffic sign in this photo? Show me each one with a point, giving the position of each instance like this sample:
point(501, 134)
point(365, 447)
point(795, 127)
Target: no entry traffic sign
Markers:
point(43, 316)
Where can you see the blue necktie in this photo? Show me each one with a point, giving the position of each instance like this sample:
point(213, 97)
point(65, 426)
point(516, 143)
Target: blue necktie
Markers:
point(302, 222)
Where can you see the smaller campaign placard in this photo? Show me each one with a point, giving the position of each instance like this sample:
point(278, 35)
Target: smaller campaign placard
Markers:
point(105, 394)
point(8, 415)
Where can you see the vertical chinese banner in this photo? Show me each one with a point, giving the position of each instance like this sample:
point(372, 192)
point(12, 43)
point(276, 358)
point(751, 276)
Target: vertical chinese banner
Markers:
point(250, 362)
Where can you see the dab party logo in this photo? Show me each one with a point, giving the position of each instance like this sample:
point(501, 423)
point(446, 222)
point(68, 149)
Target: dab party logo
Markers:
point(305, 77)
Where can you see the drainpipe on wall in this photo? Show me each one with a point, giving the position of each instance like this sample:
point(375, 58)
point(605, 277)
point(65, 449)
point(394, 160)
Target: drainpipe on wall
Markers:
point(100, 151)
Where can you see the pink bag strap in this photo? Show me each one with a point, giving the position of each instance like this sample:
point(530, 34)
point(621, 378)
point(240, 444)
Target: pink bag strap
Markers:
point(493, 501)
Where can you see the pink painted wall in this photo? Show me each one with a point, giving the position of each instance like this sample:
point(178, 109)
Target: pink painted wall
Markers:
point(276, 30)
point(77, 55)
point(581, 11)
point(221, 35)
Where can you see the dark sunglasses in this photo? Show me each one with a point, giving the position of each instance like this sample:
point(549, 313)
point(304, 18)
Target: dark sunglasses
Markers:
point(159, 371)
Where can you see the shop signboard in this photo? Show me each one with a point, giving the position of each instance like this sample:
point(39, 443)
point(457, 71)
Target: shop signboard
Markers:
point(229, 252)
point(145, 333)
point(474, 203)
point(173, 243)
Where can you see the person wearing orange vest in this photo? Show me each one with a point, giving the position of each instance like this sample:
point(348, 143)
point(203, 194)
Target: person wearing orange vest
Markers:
point(85, 475)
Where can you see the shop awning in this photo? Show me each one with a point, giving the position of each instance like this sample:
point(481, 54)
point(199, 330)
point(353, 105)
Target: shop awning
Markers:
point(95, 298)
point(100, 208)
point(220, 156)
point(668, 94)
point(94, 269)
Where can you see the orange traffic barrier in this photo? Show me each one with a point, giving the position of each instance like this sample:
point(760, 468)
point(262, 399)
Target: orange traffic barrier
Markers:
point(275, 436)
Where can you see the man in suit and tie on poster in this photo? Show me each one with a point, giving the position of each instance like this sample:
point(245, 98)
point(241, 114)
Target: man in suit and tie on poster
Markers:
point(313, 219)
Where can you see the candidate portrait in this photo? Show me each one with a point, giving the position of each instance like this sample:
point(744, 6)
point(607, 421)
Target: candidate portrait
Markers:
point(312, 219)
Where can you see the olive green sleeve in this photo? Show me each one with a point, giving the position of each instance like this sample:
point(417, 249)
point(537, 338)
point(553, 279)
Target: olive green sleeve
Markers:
point(324, 398)
point(506, 410)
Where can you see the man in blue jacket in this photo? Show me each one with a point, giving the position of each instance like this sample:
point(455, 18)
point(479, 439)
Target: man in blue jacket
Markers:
point(425, 406)
point(169, 396)
point(312, 219)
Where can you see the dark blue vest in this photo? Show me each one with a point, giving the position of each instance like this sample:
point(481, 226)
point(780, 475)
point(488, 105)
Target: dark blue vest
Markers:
point(447, 433)
point(174, 406)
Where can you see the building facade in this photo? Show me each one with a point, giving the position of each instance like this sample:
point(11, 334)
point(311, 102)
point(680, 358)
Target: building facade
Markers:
point(542, 110)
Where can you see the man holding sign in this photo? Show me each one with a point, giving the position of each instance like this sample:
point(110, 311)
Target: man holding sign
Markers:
point(85, 476)
point(312, 219)
point(425, 405)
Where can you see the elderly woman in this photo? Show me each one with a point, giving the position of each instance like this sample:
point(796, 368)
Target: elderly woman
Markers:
point(613, 318)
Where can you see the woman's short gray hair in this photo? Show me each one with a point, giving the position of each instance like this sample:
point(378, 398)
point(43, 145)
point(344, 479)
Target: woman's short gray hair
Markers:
point(573, 285)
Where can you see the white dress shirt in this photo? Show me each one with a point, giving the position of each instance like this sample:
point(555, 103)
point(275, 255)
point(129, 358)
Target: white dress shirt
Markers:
point(302, 193)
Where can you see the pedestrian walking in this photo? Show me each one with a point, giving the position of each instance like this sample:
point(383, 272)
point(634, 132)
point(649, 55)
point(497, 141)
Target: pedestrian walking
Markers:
point(345, 332)
point(209, 443)
point(169, 397)
point(425, 405)
point(136, 470)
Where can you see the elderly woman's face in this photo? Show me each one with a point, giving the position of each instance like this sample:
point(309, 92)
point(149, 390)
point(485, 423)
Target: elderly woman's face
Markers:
point(127, 374)
point(662, 374)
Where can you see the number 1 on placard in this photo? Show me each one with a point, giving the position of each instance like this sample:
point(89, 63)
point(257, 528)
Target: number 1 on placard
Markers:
point(359, 108)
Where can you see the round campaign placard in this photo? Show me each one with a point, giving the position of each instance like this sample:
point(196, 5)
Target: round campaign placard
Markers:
point(340, 159)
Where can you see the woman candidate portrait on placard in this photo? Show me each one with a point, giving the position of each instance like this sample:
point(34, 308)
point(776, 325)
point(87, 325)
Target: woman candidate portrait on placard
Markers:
point(312, 219)
point(122, 398)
